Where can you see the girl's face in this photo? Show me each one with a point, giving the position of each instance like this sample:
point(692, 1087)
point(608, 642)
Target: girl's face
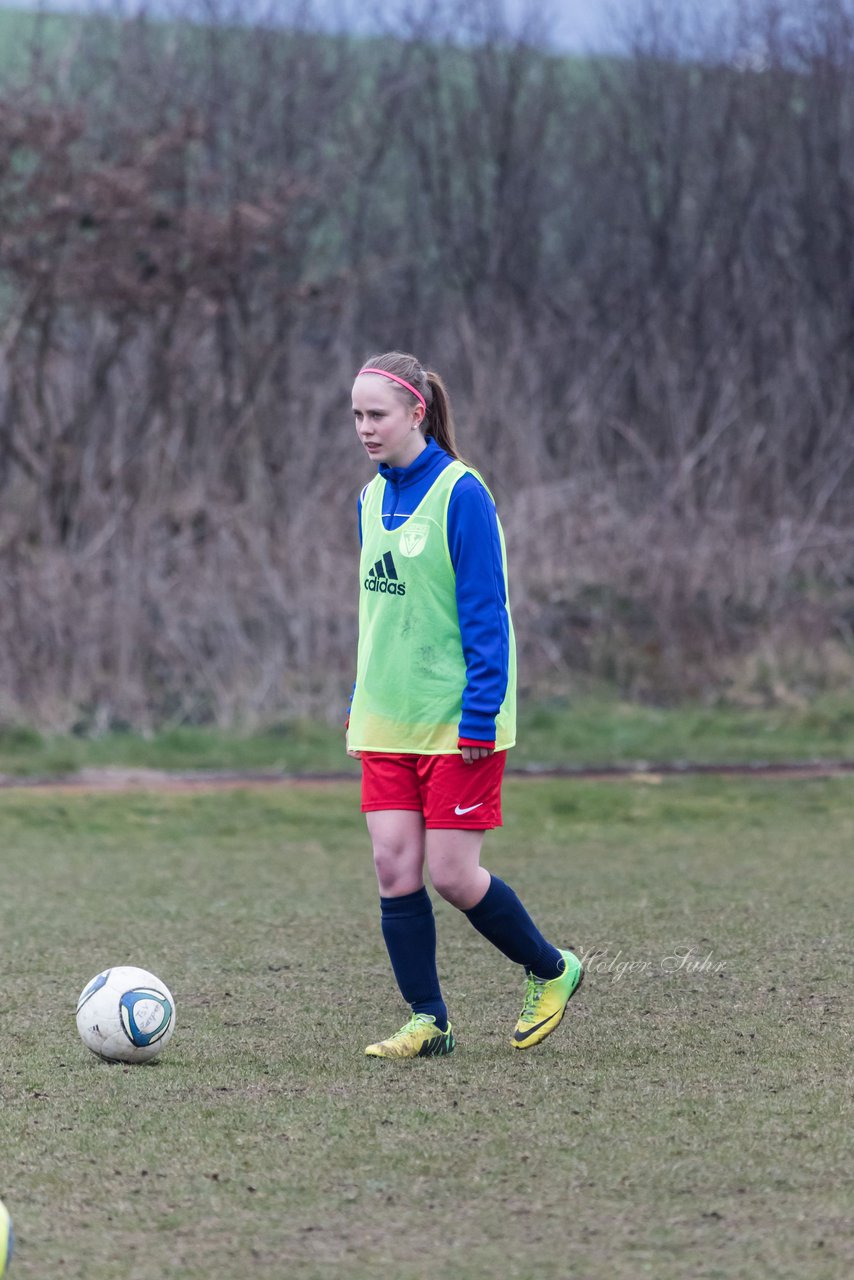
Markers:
point(387, 421)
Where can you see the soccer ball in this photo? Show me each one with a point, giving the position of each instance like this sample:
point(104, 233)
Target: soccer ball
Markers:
point(6, 1238)
point(126, 1015)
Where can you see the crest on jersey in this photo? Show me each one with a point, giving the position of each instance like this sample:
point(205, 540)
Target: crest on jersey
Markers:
point(413, 537)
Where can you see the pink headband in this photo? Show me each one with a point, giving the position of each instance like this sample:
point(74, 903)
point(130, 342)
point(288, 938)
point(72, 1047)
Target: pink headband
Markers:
point(402, 381)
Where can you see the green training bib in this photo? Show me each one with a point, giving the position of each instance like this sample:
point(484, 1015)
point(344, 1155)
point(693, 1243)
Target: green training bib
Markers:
point(411, 671)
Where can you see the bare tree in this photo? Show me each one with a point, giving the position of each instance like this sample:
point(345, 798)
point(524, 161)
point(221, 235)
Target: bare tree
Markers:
point(635, 272)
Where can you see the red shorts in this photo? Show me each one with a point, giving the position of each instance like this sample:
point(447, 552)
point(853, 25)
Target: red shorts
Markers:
point(450, 793)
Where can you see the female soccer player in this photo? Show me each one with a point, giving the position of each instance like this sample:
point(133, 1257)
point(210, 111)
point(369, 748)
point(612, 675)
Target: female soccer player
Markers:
point(434, 704)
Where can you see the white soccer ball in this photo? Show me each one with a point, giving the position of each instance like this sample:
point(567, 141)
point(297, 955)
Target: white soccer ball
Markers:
point(126, 1015)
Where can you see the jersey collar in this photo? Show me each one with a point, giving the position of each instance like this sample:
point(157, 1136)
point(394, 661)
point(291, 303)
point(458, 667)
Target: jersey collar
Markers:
point(431, 459)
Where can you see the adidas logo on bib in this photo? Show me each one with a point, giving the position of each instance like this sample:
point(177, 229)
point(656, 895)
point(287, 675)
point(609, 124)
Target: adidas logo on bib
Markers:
point(383, 578)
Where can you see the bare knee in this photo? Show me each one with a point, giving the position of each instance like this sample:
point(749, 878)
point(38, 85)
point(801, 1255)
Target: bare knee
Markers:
point(398, 870)
point(397, 837)
point(462, 886)
point(454, 861)
point(448, 884)
point(398, 844)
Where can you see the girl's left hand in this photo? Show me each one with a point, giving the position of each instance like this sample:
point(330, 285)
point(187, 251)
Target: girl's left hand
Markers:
point(470, 754)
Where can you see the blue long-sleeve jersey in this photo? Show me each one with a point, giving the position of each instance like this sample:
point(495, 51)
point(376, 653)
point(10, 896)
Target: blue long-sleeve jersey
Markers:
point(475, 548)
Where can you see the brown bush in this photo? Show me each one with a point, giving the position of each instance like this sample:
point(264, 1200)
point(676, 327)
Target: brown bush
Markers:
point(635, 274)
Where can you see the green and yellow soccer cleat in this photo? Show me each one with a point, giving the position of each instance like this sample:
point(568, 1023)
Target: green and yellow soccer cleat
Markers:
point(420, 1038)
point(545, 1003)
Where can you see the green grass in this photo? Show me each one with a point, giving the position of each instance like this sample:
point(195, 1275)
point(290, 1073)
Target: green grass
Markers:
point(288, 748)
point(563, 732)
point(684, 1121)
point(607, 732)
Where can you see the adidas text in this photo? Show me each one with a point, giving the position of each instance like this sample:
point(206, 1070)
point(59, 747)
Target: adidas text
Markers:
point(384, 586)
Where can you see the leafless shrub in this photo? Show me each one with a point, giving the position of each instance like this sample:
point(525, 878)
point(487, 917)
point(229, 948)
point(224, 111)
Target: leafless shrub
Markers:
point(635, 274)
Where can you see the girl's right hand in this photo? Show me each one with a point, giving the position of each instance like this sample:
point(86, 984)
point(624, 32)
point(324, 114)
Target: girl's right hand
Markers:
point(355, 755)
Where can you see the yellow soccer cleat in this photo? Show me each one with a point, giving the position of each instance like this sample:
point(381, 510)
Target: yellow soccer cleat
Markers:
point(545, 1003)
point(7, 1238)
point(420, 1038)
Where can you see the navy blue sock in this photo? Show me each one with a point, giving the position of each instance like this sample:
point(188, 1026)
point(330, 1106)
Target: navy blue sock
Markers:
point(502, 919)
point(409, 930)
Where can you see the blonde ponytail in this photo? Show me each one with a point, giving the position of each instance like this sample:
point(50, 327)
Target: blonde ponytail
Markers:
point(440, 417)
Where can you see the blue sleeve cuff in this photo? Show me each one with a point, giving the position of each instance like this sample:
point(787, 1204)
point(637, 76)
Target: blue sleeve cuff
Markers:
point(478, 725)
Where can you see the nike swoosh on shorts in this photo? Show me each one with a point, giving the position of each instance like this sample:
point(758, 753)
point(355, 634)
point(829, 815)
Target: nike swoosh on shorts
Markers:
point(459, 812)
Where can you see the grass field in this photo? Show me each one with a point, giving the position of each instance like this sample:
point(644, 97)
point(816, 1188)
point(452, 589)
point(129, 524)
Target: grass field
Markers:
point(582, 731)
point(689, 1119)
